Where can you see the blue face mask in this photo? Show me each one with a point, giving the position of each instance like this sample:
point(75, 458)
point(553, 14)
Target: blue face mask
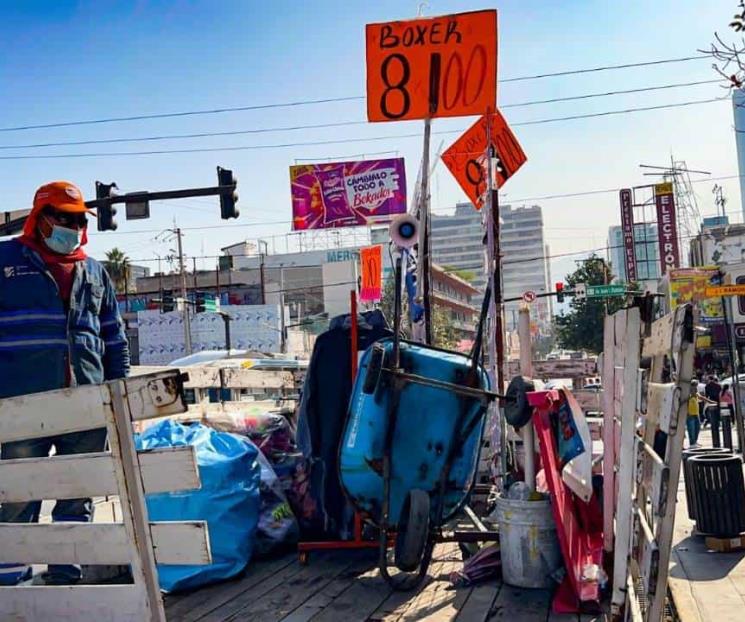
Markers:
point(63, 240)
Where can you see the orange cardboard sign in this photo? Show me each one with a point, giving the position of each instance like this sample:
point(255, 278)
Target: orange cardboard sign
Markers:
point(371, 262)
point(435, 67)
point(466, 157)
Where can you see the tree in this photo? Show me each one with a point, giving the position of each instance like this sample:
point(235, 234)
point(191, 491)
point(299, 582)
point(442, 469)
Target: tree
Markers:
point(444, 334)
point(729, 58)
point(467, 275)
point(582, 327)
point(117, 265)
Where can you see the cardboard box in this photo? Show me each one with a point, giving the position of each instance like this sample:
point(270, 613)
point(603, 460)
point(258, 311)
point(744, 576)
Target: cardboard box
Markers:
point(724, 545)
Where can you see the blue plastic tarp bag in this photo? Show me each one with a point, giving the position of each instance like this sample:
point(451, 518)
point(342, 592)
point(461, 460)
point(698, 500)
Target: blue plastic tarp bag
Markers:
point(228, 500)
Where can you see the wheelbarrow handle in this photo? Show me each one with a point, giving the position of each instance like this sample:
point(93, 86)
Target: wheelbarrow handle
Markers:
point(473, 392)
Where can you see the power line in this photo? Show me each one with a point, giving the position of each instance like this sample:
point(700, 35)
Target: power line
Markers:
point(349, 140)
point(608, 94)
point(309, 102)
point(294, 128)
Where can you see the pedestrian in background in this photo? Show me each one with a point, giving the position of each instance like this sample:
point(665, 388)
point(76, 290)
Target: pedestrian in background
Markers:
point(712, 393)
point(693, 424)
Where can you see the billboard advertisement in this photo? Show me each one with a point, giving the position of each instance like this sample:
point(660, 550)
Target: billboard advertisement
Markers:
point(689, 285)
point(627, 227)
point(667, 227)
point(347, 194)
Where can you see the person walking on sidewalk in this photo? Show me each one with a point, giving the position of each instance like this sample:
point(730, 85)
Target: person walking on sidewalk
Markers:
point(712, 393)
point(59, 327)
point(693, 424)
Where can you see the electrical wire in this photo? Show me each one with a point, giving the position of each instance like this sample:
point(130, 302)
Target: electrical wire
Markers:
point(350, 140)
point(327, 100)
point(293, 128)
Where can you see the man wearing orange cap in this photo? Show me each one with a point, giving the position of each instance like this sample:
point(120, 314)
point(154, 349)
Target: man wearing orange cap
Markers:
point(59, 327)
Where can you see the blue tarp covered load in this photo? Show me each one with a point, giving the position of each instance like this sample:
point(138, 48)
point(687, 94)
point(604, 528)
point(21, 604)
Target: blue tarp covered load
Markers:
point(228, 500)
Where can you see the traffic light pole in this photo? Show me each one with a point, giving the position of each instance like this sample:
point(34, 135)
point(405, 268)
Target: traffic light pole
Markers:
point(187, 318)
point(139, 197)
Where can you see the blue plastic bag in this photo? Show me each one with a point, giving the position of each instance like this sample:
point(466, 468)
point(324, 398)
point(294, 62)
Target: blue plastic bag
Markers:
point(228, 500)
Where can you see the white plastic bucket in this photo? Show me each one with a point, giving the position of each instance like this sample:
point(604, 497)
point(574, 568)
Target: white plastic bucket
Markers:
point(528, 542)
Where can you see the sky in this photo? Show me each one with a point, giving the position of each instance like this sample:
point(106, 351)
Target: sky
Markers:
point(69, 61)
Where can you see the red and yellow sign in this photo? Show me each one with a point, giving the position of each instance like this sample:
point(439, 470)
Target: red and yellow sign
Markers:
point(371, 264)
point(466, 157)
point(435, 67)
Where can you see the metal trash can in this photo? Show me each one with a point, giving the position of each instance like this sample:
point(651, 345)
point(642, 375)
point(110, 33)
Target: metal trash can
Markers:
point(719, 494)
point(689, 453)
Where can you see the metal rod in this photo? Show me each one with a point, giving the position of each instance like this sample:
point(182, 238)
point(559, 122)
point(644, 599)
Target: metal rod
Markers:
point(526, 369)
point(730, 330)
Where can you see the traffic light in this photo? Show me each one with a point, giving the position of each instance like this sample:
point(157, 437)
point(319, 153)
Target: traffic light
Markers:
point(229, 197)
point(560, 292)
point(199, 303)
point(107, 211)
point(166, 301)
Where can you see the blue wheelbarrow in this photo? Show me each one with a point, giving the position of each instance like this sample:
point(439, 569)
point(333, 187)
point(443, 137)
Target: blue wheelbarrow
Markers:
point(411, 443)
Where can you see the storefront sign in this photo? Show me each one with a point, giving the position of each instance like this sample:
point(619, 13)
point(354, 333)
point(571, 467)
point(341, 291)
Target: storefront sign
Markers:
point(667, 229)
point(466, 157)
point(433, 67)
point(371, 273)
point(627, 227)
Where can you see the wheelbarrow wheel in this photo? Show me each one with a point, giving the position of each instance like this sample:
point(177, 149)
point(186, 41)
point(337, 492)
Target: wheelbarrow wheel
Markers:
point(374, 367)
point(517, 411)
point(413, 531)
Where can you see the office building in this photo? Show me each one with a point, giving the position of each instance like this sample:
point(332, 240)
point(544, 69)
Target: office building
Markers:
point(458, 244)
point(646, 250)
point(525, 264)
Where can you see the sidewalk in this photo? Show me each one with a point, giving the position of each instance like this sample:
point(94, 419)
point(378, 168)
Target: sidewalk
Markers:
point(706, 586)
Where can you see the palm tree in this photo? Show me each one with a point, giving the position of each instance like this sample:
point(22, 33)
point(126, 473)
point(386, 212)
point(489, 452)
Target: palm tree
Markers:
point(117, 265)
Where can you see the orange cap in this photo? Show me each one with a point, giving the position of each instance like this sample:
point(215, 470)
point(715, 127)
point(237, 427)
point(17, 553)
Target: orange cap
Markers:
point(61, 195)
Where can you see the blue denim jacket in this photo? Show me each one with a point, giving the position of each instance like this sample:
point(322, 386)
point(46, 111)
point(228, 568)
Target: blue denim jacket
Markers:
point(39, 340)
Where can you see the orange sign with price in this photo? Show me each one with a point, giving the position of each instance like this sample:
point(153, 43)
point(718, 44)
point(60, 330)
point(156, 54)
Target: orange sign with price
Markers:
point(435, 67)
point(466, 157)
point(371, 262)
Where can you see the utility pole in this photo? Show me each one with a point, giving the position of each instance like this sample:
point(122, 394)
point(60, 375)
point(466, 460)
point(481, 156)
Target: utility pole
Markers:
point(283, 336)
point(182, 269)
point(262, 276)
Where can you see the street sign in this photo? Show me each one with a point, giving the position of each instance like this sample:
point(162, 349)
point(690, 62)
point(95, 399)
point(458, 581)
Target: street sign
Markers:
point(604, 291)
point(465, 157)
point(529, 296)
point(580, 291)
point(717, 291)
point(432, 67)
point(212, 304)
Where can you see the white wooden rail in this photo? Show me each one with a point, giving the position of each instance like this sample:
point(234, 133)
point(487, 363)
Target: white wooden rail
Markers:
point(122, 471)
point(257, 382)
point(640, 483)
